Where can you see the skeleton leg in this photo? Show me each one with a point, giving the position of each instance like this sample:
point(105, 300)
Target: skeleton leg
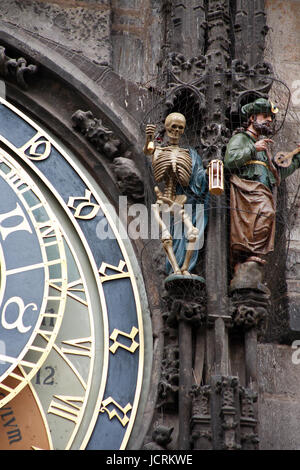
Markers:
point(192, 236)
point(166, 239)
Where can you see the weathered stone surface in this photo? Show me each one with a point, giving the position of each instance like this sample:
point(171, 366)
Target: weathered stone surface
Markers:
point(284, 21)
point(279, 398)
point(136, 38)
point(83, 26)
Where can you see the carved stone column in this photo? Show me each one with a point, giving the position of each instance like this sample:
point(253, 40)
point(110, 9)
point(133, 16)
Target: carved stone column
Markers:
point(214, 139)
point(187, 312)
point(248, 421)
point(189, 27)
point(250, 303)
point(201, 433)
point(226, 430)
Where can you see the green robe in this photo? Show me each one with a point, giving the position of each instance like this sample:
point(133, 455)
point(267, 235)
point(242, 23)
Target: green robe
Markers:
point(241, 149)
point(252, 221)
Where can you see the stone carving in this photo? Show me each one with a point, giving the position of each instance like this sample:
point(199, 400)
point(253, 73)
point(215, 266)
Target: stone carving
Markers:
point(201, 417)
point(257, 77)
point(250, 29)
point(227, 388)
point(168, 384)
point(248, 422)
point(248, 316)
point(100, 136)
point(246, 79)
point(186, 75)
point(16, 69)
point(250, 73)
point(129, 178)
point(161, 436)
point(193, 312)
point(214, 138)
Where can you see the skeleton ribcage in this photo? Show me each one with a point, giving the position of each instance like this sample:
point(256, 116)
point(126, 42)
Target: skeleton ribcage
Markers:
point(170, 162)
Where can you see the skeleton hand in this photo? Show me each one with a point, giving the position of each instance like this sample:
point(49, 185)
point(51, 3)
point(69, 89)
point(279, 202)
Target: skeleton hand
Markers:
point(149, 145)
point(150, 131)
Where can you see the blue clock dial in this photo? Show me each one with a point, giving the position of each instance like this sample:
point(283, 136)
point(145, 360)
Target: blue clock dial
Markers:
point(90, 383)
point(32, 257)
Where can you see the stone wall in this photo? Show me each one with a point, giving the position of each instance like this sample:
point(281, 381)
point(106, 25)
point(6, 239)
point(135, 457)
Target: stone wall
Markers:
point(136, 38)
point(279, 397)
point(279, 376)
point(83, 26)
point(283, 51)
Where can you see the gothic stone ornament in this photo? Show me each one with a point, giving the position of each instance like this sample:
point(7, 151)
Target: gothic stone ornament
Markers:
point(172, 165)
point(186, 75)
point(161, 437)
point(248, 79)
point(227, 388)
point(100, 136)
point(201, 417)
point(129, 178)
point(191, 311)
point(169, 381)
point(248, 422)
point(15, 69)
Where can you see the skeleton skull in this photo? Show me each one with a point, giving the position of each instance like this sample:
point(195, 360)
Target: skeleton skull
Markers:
point(175, 124)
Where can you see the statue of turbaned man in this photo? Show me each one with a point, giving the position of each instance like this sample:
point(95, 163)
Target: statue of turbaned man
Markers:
point(254, 175)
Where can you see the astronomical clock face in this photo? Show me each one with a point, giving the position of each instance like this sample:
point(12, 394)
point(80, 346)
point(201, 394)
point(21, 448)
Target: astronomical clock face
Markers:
point(72, 343)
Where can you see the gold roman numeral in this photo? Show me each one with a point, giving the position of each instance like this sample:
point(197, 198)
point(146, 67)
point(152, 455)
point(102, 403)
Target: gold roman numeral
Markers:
point(65, 407)
point(78, 346)
point(75, 286)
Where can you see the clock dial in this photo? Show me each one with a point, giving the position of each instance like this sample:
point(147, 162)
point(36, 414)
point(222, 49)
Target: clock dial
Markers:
point(32, 258)
point(88, 385)
point(67, 382)
point(22, 425)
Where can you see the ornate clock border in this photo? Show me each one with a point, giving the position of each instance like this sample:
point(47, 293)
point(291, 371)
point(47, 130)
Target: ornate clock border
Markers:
point(75, 93)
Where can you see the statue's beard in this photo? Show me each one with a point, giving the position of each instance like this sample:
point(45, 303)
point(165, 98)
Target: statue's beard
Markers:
point(264, 128)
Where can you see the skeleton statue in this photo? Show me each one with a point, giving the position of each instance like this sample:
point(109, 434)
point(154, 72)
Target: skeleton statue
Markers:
point(174, 166)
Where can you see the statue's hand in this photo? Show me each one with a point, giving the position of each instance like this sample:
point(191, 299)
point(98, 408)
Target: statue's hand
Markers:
point(149, 147)
point(263, 144)
point(150, 131)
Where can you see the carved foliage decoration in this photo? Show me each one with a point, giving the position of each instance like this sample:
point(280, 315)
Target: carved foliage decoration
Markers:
point(15, 69)
point(248, 422)
point(128, 176)
point(169, 381)
point(250, 308)
point(201, 417)
point(227, 388)
point(94, 130)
